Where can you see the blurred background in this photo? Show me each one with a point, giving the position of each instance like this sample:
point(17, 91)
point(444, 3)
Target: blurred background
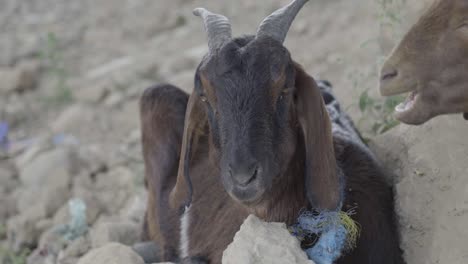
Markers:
point(71, 73)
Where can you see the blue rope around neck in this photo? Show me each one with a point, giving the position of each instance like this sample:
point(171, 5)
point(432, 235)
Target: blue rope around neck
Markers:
point(333, 235)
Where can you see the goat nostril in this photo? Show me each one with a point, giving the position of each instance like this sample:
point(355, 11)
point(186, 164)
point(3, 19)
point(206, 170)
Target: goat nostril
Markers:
point(390, 74)
point(254, 175)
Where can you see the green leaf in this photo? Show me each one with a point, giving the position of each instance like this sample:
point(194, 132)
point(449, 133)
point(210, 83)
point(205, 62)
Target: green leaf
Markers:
point(392, 101)
point(363, 101)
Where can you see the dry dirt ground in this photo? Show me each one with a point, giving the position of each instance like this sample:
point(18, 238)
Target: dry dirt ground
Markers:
point(71, 74)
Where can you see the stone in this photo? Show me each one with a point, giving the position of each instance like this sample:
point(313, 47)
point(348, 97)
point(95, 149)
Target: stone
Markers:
point(71, 120)
point(50, 244)
point(20, 78)
point(8, 179)
point(55, 165)
point(9, 79)
point(29, 76)
point(55, 168)
point(54, 248)
point(112, 253)
point(148, 250)
point(22, 229)
point(93, 92)
point(429, 166)
point(8, 206)
point(259, 242)
point(74, 250)
point(68, 261)
point(114, 99)
point(30, 151)
point(93, 159)
point(114, 188)
point(40, 257)
point(126, 233)
point(135, 208)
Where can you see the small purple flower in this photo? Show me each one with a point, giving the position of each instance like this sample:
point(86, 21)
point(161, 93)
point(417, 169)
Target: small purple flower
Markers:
point(4, 128)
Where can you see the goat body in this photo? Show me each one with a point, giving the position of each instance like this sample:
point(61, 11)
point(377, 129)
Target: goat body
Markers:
point(214, 217)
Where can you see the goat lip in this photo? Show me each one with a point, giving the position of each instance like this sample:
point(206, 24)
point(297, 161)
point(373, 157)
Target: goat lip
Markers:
point(246, 195)
point(396, 86)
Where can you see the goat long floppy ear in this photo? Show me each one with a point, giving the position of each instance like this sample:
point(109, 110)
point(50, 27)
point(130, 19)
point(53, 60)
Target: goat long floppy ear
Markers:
point(321, 176)
point(195, 121)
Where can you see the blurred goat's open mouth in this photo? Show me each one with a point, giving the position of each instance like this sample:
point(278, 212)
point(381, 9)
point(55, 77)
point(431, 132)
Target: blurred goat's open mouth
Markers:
point(409, 111)
point(413, 110)
point(408, 104)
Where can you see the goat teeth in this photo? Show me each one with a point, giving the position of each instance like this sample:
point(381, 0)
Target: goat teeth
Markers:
point(407, 104)
point(400, 107)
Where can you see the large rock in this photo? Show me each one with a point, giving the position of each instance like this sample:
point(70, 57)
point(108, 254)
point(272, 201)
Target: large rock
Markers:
point(112, 253)
point(126, 233)
point(46, 180)
point(114, 188)
point(430, 164)
point(258, 242)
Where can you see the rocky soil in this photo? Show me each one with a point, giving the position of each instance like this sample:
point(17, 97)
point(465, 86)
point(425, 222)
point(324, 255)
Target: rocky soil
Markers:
point(71, 73)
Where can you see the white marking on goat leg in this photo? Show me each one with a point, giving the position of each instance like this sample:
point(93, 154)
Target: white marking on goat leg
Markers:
point(184, 233)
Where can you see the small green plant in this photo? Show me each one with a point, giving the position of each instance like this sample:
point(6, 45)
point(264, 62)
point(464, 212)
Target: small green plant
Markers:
point(2, 231)
point(380, 111)
point(54, 61)
point(377, 112)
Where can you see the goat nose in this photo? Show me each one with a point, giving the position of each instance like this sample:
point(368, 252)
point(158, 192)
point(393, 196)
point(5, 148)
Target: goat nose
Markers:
point(245, 173)
point(388, 73)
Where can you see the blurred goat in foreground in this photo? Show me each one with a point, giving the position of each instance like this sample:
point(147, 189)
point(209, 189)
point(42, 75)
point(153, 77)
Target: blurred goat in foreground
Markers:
point(431, 63)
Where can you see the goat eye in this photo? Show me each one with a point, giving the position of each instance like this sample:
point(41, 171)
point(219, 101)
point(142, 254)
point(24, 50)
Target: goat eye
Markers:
point(203, 98)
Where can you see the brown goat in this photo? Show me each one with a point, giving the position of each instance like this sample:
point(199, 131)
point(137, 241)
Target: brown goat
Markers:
point(255, 138)
point(431, 63)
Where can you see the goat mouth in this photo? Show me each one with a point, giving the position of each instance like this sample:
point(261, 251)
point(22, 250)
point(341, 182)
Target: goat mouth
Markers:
point(408, 104)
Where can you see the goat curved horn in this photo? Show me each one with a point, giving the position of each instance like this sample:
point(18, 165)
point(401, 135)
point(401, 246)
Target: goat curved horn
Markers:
point(277, 24)
point(217, 26)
